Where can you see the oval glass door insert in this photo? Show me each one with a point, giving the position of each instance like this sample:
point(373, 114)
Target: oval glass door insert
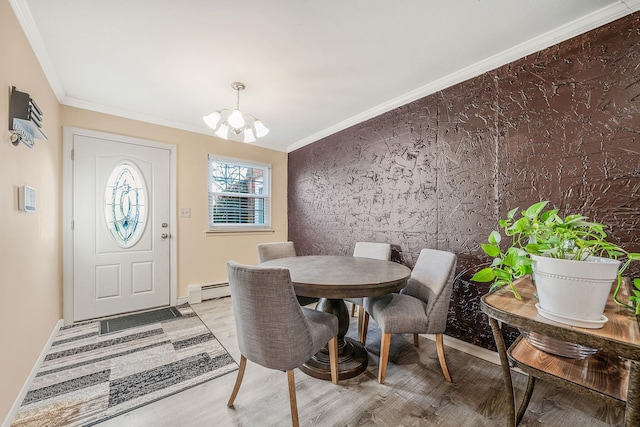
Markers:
point(125, 204)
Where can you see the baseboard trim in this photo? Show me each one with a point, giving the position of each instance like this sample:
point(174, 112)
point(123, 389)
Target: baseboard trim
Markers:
point(27, 384)
point(466, 347)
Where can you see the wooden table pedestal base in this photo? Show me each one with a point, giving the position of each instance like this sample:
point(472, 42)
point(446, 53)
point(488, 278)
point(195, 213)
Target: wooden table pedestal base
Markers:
point(352, 356)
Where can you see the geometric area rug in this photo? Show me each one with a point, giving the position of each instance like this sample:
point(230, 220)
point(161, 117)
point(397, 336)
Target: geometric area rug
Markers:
point(87, 378)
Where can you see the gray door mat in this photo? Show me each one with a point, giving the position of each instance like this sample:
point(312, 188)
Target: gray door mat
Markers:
point(116, 324)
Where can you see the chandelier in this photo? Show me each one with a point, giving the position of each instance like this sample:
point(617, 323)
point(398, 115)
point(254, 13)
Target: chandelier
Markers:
point(228, 123)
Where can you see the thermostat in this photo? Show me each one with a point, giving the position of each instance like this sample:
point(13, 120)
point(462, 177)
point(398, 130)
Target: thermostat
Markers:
point(27, 198)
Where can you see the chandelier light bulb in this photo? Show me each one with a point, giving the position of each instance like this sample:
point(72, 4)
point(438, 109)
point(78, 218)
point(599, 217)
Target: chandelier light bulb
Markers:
point(223, 131)
point(236, 120)
point(212, 119)
point(248, 135)
point(261, 129)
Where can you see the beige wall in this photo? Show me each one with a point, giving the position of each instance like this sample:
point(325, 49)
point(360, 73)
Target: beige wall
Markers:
point(30, 256)
point(201, 257)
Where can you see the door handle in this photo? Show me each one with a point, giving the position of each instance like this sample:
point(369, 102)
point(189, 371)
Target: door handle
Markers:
point(164, 235)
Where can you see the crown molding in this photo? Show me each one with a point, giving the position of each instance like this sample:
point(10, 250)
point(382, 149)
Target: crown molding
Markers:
point(565, 32)
point(25, 19)
point(127, 114)
point(130, 115)
point(560, 34)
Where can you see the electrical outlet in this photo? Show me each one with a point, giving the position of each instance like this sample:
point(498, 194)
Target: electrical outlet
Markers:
point(185, 212)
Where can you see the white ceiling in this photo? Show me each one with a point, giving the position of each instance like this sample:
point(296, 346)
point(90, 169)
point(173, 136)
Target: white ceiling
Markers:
point(311, 68)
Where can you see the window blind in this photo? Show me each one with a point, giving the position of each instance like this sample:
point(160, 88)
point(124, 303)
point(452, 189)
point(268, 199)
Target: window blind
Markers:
point(239, 194)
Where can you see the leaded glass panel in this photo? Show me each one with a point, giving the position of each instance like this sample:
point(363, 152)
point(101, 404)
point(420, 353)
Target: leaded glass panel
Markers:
point(125, 204)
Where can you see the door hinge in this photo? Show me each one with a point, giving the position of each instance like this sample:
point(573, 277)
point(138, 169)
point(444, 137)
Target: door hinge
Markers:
point(73, 154)
point(73, 224)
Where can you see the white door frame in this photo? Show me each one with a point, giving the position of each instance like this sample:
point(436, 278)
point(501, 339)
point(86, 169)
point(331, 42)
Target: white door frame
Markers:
point(67, 212)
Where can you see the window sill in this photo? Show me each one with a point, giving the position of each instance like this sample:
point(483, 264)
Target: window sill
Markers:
point(236, 232)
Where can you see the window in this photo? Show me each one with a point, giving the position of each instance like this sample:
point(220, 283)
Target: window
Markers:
point(239, 195)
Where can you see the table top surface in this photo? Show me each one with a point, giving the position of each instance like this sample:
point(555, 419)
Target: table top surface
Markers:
point(328, 276)
point(621, 329)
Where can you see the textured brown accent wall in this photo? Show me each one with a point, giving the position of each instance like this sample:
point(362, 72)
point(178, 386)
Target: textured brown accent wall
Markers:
point(562, 124)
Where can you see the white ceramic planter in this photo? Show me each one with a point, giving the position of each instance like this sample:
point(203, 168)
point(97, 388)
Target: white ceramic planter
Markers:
point(574, 292)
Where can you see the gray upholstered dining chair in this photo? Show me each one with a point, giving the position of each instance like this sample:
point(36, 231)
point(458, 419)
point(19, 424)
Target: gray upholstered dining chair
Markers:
point(275, 250)
point(273, 330)
point(367, 250)
point(269, 251)
point(420, 308)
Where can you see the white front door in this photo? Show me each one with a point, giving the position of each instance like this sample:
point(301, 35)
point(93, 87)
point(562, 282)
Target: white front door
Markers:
point(121, 226)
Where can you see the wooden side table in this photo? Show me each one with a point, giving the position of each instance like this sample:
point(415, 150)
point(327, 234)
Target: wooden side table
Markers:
point(613, 373)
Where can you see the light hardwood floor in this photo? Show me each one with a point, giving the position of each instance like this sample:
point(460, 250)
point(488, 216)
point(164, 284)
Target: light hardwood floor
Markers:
point(415, 393)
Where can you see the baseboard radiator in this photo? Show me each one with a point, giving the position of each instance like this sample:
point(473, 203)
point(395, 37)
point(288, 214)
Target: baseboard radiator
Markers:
point(199, 293)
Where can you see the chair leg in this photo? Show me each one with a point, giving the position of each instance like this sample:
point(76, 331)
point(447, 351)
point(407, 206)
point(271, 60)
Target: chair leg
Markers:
point(363, 327)
point(292, 399)
point(333, 359)
point(360, 320)
point(385, 342)
point(443, 361)
point(416, 340)
point(236, 387)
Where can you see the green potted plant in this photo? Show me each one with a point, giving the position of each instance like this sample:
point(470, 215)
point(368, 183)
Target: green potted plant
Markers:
point(572, 264)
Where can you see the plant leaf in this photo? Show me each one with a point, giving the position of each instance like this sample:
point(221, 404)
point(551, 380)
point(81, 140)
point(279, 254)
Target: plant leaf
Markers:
point(491, 250)
point(534, 210)
point(494, 238)
point(484, 275)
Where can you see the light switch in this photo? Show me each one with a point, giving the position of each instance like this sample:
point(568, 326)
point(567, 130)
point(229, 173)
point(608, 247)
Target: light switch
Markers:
point(27, 198)
point(185, 212)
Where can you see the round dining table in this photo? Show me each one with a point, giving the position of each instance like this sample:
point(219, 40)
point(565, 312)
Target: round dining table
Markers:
point(332, 278)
